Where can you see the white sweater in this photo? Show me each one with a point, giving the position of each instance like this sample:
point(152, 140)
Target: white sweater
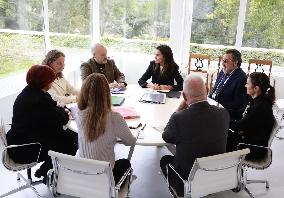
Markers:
point(62, 91)
point(103, 147)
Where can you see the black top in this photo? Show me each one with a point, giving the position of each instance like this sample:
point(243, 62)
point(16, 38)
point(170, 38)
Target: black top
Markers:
point(257, 123)
point(193, 138)
point(36, 118)
point(158, 79)
point(233, 94)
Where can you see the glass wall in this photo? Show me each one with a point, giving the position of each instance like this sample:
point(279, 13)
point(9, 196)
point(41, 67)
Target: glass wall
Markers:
point(23, 44)
point(214, 22)
point(70, 29)
point(134, 25)
point(264, 24)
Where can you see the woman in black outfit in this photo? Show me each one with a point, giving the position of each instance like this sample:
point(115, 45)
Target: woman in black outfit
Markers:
point(256, 125)
point(37, 118)
point(164, 71)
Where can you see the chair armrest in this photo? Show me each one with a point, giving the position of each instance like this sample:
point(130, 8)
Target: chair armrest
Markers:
point(171, 167)
point(252, 145)
point(127, 172)
point(24, 145)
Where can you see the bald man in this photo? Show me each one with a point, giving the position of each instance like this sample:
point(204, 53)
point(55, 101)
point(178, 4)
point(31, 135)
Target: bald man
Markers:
point(197, 128)
point(99, 63)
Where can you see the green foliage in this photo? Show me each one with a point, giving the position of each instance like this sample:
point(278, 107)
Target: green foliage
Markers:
point(71, 41)
point(276, 57)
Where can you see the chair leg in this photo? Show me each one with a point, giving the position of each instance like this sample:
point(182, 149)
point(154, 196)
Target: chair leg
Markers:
point(250, 194)
point(28, 184)
point(259, 181)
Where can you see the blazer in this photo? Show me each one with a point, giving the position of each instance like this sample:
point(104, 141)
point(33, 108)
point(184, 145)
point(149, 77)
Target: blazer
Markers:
point(36, 118)
point(193, 138)
point(257, 122)
point(233, 95)
point(112, 72)
point(157, 78)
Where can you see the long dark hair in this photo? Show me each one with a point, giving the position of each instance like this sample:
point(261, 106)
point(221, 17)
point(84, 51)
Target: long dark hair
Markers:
point(262, 81)
point(170, 64)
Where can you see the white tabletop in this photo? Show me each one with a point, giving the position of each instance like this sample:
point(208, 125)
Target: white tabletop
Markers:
point(155, 116)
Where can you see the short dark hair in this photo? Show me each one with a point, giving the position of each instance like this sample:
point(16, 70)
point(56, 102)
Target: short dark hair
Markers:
point(39, 76)
point(237, 56)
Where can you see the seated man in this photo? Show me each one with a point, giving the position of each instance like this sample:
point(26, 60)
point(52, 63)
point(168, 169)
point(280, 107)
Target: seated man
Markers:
point(229, 89)
point(101, 64)
point(197, 128)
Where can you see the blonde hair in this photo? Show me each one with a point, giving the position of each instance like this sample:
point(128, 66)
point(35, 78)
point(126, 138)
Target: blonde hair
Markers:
point(95, 97)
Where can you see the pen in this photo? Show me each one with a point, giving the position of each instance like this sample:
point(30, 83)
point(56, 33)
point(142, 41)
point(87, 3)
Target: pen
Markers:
point(143, 127)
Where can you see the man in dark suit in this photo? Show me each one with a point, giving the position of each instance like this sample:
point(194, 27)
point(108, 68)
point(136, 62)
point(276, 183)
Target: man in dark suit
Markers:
point(229, 89)
point(197, 128)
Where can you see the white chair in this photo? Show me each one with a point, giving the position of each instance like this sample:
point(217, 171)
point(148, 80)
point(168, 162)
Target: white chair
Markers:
point(214, 174)
point(9, 164)
point(266, 160)
point(83, 177)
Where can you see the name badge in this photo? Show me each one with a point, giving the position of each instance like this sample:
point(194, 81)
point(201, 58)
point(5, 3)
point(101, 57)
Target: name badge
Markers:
point(214, 95)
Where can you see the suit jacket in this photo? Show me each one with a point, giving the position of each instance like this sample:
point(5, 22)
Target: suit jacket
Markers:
point(233, 95)
point(257, 123)
point(112, 72)
point(157, 78)
point(198, 131)
point(36, 118)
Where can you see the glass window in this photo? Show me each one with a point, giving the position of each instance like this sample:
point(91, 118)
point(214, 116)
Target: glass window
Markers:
point(70, 29)
point(134, 25)
point(264, 24)
point(21, 48)
point(214, 22)
point(21, 15)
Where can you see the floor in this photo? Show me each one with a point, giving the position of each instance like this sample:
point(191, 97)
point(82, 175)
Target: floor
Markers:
point(150, 184)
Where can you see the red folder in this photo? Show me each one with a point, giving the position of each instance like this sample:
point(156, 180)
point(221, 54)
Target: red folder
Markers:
point(126, 112)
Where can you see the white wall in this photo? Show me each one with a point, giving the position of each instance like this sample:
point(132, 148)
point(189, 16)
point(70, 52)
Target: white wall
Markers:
point(6, 106)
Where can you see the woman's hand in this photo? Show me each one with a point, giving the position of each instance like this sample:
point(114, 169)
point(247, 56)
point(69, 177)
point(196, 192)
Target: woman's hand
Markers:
point(154, 86)
point(166, 87)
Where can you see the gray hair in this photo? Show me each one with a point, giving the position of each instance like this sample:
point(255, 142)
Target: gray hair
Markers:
point(194, 87)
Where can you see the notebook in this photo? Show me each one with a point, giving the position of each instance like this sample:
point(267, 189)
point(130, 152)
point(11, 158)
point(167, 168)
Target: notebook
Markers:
point(126, 112)
point(116, 100)
point(154, 97)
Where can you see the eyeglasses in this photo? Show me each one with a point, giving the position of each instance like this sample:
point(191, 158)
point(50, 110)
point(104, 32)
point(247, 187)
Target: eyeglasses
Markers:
point(226, 60)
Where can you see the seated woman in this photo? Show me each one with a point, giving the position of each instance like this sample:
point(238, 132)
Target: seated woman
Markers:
point(256, 125)
point(61, 90)
point(99, 126)
point(163, 71)
point(37, 118)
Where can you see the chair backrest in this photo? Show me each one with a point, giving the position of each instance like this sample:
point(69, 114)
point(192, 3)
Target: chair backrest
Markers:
point(200, 63)
point(275, 129)
point(82, 177)
point(256, 65)
point(217, 173)
point(3, 134)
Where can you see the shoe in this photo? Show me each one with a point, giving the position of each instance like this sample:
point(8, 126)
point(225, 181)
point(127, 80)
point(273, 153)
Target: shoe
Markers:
point(38, 173)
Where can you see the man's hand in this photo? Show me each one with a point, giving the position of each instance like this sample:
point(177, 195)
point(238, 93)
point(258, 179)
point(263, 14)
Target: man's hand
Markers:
point(182, 106)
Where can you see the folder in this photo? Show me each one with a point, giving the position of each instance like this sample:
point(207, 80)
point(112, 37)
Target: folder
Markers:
point(126, 112)
point(116, 100)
